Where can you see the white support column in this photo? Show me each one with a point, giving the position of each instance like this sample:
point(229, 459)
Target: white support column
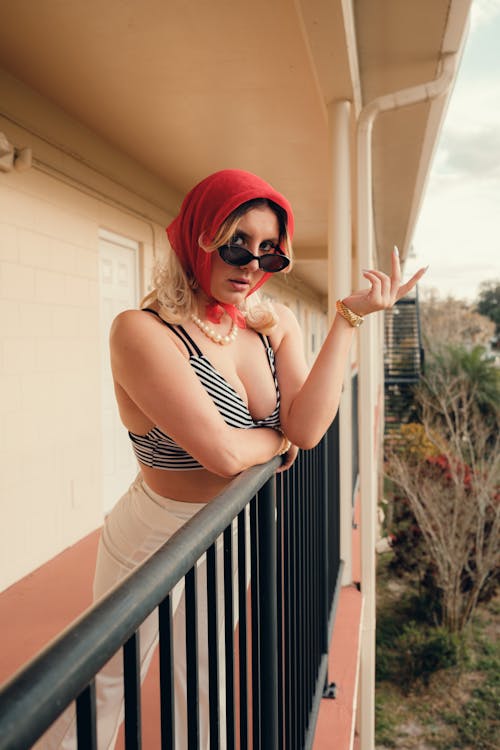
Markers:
point(339, 285)
point(368, 379)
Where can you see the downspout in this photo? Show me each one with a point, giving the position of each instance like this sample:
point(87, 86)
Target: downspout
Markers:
point(370, 380)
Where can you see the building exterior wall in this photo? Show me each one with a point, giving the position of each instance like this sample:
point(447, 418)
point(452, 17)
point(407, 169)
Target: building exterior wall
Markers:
point(50, 339)
point(50, 364)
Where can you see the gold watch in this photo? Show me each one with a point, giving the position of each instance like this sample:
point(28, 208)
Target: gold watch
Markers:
point(352, 318)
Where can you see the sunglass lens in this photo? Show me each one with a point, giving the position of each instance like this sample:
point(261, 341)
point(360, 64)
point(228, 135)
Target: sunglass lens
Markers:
point(235, 255)
point(274, 263)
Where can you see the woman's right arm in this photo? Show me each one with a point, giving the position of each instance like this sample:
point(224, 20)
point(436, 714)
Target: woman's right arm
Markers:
point(157, 377)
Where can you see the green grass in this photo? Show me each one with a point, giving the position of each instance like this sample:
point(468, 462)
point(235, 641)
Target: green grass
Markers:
point(434, 689)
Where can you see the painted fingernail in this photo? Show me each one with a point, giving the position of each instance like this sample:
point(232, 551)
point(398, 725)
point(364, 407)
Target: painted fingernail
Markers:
point(396, 251)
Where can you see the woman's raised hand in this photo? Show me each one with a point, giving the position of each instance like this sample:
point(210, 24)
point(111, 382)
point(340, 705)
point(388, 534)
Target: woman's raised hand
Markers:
point(384, 290)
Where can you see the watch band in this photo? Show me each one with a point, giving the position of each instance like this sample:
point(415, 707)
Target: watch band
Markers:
point(352, 318)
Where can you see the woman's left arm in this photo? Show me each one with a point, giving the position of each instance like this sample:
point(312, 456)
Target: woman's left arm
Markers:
point(309, 401)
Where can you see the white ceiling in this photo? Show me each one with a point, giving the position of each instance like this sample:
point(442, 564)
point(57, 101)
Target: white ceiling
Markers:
point(190, 87)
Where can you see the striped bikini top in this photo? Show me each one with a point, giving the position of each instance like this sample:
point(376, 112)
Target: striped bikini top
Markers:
point(158, 450)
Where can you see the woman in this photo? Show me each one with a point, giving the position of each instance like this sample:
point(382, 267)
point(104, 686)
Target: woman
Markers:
point(209, 381)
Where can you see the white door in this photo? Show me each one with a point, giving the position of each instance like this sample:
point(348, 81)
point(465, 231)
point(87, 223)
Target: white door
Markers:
point(118, 261)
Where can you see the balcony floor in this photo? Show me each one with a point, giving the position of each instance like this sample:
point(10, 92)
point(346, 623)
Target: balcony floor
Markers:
point(56, 593)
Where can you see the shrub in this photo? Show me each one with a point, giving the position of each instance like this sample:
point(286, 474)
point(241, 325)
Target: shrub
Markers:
point(414, 443)
point(424, 651)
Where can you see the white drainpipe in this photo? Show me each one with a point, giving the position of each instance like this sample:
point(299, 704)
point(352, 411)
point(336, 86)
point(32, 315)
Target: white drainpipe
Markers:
point(371, 346)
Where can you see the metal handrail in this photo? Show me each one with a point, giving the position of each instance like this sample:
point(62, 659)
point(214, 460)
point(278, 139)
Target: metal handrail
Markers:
point(294, 583)
point(63, 669)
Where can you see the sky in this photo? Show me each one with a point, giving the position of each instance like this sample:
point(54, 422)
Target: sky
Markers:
point(458, 230)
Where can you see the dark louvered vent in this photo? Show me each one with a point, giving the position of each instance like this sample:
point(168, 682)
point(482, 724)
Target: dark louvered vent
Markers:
point(403, 361)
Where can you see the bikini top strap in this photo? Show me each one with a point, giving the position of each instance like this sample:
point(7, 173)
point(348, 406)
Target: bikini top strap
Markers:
point(187, 338)
point(269, 351)
point(180, 332)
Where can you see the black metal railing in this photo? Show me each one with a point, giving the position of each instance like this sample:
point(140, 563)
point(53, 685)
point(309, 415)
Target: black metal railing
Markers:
point(290, 521)
point(403, 360)
point(355, 432)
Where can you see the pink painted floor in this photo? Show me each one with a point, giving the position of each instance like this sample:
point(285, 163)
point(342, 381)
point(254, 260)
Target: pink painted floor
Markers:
point(37, 608)
point(334, 729)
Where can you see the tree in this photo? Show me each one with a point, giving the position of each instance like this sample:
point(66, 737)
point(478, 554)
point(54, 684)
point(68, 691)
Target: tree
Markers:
point(451, 321)
point(489, 303)
point(477, 373)
point(454, 494)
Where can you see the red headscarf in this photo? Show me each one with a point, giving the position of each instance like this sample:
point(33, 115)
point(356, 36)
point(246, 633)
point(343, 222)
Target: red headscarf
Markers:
point(203, 210)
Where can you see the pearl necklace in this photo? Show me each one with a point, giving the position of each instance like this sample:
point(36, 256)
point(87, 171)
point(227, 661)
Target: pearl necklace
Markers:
point(212, 334)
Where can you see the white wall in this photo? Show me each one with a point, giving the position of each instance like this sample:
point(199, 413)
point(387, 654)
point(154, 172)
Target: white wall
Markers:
point(50, 401)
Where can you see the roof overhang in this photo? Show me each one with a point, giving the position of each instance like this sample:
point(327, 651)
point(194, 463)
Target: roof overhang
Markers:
point(186, 89)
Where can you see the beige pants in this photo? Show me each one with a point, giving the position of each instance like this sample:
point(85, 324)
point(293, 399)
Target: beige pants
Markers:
point(137, 526)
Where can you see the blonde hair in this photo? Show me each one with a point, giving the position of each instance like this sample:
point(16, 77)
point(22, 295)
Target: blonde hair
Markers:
point(174, 289)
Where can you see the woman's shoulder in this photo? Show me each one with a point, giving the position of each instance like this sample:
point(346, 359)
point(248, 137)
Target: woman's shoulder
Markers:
point(138, 325)
point(129, 320)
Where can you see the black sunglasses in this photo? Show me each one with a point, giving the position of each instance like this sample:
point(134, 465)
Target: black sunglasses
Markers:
point(235, 255)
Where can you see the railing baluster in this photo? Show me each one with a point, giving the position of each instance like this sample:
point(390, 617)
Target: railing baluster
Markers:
point(242, 640)
point(301, 603)
point(289, 661)
point(132, 685)
point(280, 605)
point(229, 635)
point(86, 718)
point(213, 648)
point(166, 654)
point(321, 537)
point(326, 552)
point(193, 732)
point(306, 606)
point(333, 507)
point(309, 489)
point(310, 587)
point(317, 571)
point(268, 616)
point(256, 633)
